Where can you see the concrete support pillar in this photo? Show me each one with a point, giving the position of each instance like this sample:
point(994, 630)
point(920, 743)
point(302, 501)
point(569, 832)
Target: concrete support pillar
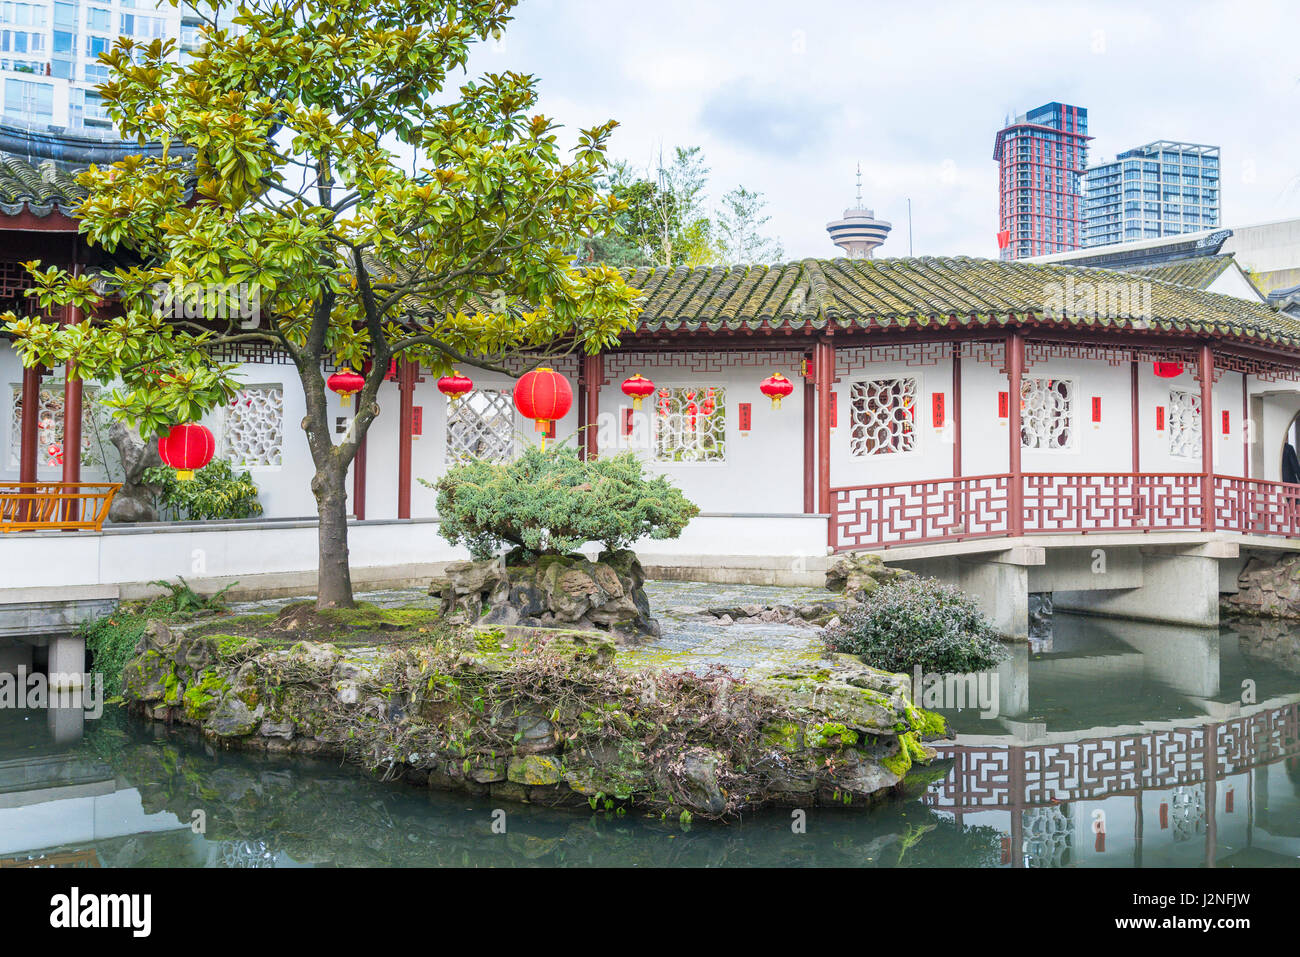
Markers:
point(1180, 589)
point(67, 667)
point(1001, 590)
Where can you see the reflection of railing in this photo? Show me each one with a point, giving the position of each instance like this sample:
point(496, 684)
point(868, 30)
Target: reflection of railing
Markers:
point(27, 506)
point(86, 858)
point(953, 509)
point(1023, 776)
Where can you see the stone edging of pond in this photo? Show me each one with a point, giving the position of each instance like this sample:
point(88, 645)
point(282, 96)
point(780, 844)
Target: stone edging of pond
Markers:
point(544, 716)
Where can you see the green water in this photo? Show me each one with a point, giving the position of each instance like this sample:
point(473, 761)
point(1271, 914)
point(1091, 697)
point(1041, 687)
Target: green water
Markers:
point(1116, 745)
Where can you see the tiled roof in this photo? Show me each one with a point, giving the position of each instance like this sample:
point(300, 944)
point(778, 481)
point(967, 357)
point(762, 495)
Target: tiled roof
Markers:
point(38, 189)
point(932, 292)
point(1198, 272)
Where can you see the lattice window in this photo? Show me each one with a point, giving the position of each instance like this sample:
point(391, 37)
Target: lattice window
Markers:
point(883, 416)
point(481, 425)
point(1046, 414)
point(254, 432)
point(1184, 424)
point(49, 434)
point(691, 424)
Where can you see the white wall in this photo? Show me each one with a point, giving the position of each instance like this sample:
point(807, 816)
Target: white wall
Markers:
point(763, 470)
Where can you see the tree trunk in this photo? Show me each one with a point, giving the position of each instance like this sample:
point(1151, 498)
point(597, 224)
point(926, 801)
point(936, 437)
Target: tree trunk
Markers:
point(333, 577)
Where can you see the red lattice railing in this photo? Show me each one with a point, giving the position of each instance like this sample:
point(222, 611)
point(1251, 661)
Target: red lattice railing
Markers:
point(910, 513)
point(1111, 501)
point(954, 509)
point(1253, 507)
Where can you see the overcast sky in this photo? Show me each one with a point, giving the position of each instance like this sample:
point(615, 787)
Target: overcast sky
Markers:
point(787, 97)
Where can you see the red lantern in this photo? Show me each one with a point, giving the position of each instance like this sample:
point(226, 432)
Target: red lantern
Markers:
point(1169, 370)
point(636, 388)
point(56, 453)
point(776, 387)
point(347, 384)
point(455, 385)
point(545, 396)
point(710, 402)
point(187, 448)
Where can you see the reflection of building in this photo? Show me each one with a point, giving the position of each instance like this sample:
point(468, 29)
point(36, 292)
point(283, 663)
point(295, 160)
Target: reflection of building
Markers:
point(1161, 189)
point(1152, 797)
point(1041, 158)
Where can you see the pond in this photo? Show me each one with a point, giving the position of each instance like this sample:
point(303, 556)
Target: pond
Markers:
point(1114, 744)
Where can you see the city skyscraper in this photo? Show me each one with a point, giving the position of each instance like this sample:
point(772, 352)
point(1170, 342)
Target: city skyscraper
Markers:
point(49, 53)
point(1160, 189)
point(1041, 159)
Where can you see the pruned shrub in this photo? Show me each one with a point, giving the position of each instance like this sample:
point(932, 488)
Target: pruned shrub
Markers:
point(552, 503)
point(918, 621)
point(216, 492)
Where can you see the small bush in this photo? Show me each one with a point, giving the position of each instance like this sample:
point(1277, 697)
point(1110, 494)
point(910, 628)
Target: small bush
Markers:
point(552, 503)
point(918, 621)
point(217, 491)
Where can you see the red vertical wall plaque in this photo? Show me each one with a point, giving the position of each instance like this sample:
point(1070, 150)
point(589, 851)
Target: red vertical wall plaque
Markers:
point(745, 413)
point(937, 409)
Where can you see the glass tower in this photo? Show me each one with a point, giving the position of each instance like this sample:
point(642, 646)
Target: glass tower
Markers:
point(49, 53)
point(1160, 189)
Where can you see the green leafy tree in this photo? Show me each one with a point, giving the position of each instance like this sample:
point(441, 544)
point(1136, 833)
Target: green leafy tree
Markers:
point(740, 223)
point(379, 212)
point(551, 503)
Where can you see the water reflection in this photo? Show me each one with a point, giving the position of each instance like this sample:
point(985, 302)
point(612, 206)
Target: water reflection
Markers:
point(1119, 744)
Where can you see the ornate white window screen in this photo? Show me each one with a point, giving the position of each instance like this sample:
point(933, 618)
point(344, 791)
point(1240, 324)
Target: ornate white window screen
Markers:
point(1047, 414)
point(883, 416)
point(481, 425)
point(254, 428)
point(691, 424)
point(1184, 424)
point(49, 425)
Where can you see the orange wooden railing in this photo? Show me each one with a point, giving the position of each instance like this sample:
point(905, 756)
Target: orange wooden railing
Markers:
point(31, 506)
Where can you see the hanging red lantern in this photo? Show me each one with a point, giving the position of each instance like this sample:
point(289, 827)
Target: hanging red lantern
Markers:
point(455, 385)
point(56, 453)
point(692, 409)
point(347, 384)
point(636, 388)
point(544, 396)
point(663, 401)
point(187, 448)
point(1169, 370)
point(776, 387)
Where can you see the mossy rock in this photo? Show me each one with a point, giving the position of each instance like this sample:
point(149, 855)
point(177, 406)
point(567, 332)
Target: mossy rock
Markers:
point(204, 694)
point(534, 769)
point(145, 677)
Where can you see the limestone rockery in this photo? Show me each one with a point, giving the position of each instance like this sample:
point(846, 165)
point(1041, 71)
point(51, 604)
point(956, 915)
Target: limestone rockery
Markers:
point(555, 591)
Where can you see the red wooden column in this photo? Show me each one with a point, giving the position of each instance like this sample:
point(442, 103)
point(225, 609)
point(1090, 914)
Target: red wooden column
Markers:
point(956, 410)
point(406, 372)
point(1136, 426)
point(810, 436)
point(1016, 483)
point(593, 377)
point(72, 407)
point(824, 371)
point(1206, 369)
point(1246, 426)
point(29, 430)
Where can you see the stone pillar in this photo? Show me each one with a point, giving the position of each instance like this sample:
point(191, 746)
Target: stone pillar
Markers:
point(67, 666)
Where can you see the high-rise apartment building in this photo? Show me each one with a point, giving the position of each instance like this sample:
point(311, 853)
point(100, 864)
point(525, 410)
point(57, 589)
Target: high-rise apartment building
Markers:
point(1160, 189)
point(49, 53)
point(1041, 159)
